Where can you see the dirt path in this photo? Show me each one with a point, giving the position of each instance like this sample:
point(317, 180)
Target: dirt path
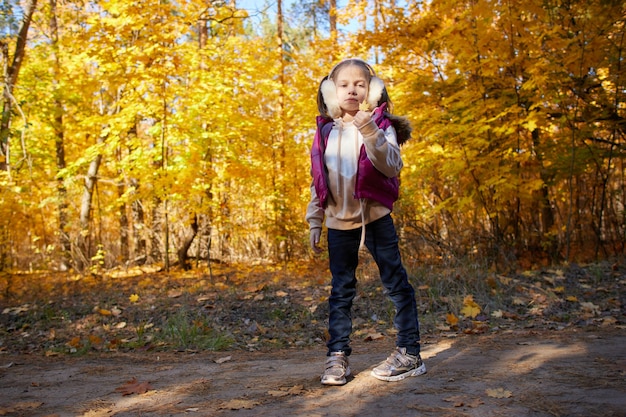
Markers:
point(573, 372)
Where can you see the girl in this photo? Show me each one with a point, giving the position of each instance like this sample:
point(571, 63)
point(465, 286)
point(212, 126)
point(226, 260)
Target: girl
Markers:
point(355, 162)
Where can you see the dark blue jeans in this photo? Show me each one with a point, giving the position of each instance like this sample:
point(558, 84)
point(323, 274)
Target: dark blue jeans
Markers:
point(343, 249)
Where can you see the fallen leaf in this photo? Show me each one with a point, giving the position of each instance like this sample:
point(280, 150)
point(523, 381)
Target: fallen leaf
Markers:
point(609, 321)
point(476, 402)
point(224, 359)
point(457, 400)
point(452, 319)
point(518, 301)
point(470, 308)
point(239, 404)
point(374, 336)
point(174, 293)
point(296, 390)
point(492, 282)
point(478, 327)
point(134, 387)
point(95, 340)
point(508, 315)
point(590, 308)
point(75, 342)
point(255, 288)
point(550, 280)
point(283, 392)
point(277, 394)
point(505, 280)
point(498, 393)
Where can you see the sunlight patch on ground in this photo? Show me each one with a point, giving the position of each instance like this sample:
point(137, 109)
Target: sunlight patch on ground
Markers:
point(532, 355)
point(433, 350)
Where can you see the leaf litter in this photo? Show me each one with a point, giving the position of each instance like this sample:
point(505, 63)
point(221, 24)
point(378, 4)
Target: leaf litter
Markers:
point(291, 313)
point(134, 387)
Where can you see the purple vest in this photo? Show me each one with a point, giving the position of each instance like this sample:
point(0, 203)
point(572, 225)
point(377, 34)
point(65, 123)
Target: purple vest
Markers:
point(370, 182)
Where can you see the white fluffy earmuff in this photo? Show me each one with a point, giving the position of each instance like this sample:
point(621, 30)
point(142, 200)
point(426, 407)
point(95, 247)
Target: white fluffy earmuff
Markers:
point(375, 92)
point(329, 93)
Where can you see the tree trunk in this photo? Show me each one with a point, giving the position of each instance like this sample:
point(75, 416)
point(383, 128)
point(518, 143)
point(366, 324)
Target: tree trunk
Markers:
point(124, 225)
point(189, 234)
point(280, 238)
point(84, 246)
point(140, 255)
point(59, 143)
point(332, 20)
point(547, 216)
point(10, 80)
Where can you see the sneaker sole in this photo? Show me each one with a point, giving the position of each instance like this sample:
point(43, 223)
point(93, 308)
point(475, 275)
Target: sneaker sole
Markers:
point(334, 381)
point(414, 372)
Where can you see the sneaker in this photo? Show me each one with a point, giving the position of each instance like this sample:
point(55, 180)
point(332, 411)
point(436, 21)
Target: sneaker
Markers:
point(337, 369)
point(398, 366)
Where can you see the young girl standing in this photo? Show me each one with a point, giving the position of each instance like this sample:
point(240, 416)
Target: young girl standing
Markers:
point(355, 162)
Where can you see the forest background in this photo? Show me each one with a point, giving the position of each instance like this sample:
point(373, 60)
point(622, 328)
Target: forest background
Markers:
point(161, 132)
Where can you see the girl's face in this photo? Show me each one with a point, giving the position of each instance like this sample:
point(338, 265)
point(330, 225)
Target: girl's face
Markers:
point(352, 88)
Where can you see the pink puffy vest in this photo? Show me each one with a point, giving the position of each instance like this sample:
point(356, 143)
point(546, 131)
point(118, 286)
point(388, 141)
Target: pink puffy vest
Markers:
point(370, 182)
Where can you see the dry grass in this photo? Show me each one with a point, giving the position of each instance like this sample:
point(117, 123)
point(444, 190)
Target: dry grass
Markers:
point(269, 307)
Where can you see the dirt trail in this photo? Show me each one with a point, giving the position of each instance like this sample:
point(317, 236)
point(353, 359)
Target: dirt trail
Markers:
point(573, 372)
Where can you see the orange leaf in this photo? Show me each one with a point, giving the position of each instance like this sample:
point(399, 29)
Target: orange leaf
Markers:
point(134, 387)
point(95, 340)
point(452, 319)
point(105, 312)
point(75, 342)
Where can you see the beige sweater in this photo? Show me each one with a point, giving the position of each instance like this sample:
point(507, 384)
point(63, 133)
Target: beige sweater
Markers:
point(343, 211)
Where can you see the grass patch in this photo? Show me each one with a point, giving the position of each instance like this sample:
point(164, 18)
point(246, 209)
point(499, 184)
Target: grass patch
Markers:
point(187, 330)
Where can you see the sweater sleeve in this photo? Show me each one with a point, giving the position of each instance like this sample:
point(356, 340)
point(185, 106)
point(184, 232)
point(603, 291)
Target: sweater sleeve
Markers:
point(314, 213)
point(382, 148)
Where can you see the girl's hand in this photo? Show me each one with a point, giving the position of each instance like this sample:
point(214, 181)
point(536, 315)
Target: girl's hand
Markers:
point(362, 118)
point(315, 240)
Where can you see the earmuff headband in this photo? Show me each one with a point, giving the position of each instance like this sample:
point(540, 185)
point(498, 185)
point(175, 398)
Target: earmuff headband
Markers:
point(329, 90)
